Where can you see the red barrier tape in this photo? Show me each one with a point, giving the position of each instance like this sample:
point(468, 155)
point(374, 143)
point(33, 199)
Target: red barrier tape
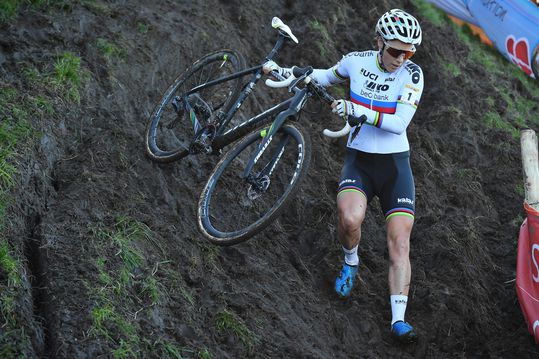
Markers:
point(527, 282)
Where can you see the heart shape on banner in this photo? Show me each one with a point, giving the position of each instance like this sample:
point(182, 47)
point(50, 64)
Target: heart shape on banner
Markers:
point(518, 52)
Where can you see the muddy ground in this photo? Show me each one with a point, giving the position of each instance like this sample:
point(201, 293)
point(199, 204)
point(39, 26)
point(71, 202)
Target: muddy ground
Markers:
point(113, 264)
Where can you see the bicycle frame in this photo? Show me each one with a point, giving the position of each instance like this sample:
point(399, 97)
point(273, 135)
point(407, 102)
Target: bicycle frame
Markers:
point(221, 138)
point(296, 104)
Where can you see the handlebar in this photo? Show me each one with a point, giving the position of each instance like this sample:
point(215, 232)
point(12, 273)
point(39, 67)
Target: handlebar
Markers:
point(299, 74)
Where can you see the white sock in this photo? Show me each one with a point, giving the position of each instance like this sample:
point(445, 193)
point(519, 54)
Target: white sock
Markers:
point(350, 256)
point(398, 307)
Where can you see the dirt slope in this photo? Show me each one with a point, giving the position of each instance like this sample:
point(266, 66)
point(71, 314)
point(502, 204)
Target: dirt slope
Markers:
point(113, 264)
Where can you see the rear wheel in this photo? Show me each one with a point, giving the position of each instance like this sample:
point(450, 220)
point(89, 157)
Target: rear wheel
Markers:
point(231, 208)
point(170, 130)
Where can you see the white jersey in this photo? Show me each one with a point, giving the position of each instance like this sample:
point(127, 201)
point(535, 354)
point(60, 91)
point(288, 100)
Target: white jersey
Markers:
point(390, 99)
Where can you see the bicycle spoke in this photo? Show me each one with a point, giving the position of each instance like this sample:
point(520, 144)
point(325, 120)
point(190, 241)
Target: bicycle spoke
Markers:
point(238, 206)
point(171, 129)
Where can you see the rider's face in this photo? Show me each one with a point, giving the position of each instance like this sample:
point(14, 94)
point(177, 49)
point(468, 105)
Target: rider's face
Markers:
point(389, 60)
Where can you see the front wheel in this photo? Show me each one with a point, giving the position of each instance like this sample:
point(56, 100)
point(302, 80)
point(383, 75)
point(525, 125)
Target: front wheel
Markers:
point(231, 208)
point(171, 130)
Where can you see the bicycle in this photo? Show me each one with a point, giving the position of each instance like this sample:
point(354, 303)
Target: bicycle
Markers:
point(267, 183)
point(194, 114)
point(270, 164)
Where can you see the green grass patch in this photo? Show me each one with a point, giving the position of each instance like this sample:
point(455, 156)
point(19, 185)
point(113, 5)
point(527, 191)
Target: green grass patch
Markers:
point(16, 111)
point(494, 120)
point(205, 354)
point(452, 69)
point(110, 50)
point(323, 38)
point(227, 321)
point(142, 27)
point(126, 283)
point(68, 75)
point(13, 339)
point(64, 80)
point(172, 350)
point(428, 11)
point(9, 266)
point(519, 189)
point(14, 128)
point(9, 8)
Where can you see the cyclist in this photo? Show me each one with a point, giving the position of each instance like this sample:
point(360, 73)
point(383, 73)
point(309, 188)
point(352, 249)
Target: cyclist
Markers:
point(386, 87)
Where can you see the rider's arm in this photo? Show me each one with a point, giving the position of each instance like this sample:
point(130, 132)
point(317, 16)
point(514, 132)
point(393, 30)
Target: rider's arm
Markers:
point(394, 123)
point(324, 77)
point(329, 76)
point(333, 75)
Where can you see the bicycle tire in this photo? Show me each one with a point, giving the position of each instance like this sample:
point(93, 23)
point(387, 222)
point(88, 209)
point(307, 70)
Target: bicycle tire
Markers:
point(160, 131)
point(223, 189)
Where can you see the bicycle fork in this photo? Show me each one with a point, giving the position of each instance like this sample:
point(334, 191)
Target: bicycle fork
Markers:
point(259, 182)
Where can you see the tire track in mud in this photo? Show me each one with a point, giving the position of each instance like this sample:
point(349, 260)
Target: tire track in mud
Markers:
point(37, 266)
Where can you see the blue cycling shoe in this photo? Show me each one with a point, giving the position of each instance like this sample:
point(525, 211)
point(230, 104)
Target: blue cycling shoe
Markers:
point(345, 280)
point(403, 332)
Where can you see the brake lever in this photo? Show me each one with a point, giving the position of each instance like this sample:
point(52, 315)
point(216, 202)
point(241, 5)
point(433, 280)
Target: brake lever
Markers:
point(295, 82)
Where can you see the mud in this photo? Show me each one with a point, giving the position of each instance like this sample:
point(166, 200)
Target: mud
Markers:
point(88, 168)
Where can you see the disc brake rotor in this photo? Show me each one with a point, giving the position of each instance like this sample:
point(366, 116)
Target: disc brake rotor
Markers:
point(258, 187)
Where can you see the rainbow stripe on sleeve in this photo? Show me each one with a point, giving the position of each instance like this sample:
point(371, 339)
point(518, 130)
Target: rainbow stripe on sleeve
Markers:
point(338, 75)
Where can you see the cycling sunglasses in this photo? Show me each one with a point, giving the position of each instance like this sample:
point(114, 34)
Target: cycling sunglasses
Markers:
point(396, 52)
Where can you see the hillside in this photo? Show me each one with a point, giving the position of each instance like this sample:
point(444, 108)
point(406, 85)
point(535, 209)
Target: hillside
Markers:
point(100, 255)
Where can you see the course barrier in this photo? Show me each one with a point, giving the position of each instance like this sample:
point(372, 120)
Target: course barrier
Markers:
point(527, 276)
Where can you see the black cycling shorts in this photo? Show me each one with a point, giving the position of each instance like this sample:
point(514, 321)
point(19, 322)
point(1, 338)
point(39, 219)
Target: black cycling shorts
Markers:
point(388, 176)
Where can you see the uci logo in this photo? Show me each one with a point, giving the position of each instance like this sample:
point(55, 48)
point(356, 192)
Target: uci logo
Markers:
point(369, 74)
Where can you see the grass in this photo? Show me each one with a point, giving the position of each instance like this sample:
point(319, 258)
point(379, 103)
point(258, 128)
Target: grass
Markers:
point(110, 50)
point(494, 120)
point(125, 281)
point(9, 8)
point(68, 75)
point(63, 81)
point(205, 354)
point(13, 339)
point(426, 10)
point(142, 27)
point(520, 107)
point(115, 285)
point(17, 111)
point(14, 129)
point(9, 265)
point(228, 322)
point(323, 39)
point(452, 69)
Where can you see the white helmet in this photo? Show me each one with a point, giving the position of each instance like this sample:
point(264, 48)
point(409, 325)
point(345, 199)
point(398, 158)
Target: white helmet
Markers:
point(397, 24)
